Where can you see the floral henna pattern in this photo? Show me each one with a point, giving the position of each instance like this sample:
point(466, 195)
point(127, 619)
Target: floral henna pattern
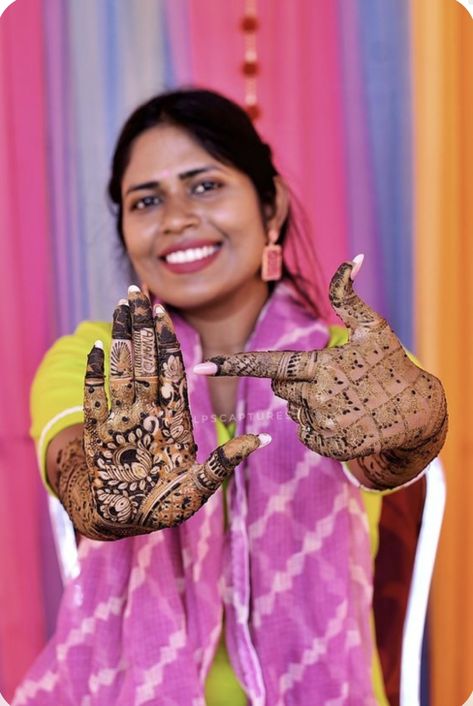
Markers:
point(75, 492)
point(137, 470)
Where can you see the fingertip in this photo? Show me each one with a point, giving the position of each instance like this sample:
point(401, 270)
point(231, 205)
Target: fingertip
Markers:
point(123, 302)
point(98, 344)
point(133, 289)
point(357, 263)
point(264, 440)
point(207, 368)
point(159, 310)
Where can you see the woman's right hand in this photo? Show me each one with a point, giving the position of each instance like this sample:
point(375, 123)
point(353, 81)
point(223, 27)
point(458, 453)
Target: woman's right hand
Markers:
point(141, 471)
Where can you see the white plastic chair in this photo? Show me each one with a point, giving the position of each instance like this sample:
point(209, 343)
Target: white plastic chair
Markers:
point(426, 550)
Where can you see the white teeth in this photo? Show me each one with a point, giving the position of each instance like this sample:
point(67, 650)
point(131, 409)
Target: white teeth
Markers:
point(191, 255)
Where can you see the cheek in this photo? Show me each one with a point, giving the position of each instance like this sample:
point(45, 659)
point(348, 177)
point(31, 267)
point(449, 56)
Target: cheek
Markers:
point(139, 238)
point(244, 229)
point(248, 243)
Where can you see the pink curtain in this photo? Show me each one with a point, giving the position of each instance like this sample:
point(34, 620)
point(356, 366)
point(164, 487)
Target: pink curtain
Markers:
point(25, 323)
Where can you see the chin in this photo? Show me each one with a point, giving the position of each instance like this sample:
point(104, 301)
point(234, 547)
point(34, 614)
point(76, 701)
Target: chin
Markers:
point(192, 297)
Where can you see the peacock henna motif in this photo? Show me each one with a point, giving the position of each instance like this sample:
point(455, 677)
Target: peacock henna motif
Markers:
point(121, 356)
point(365, 400)
point(137, 471)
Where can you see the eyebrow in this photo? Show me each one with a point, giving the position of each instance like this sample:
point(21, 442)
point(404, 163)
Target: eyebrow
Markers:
point(183, 176)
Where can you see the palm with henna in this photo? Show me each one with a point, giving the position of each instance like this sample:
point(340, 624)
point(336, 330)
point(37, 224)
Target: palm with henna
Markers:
point(365, 400)
point(140, 472)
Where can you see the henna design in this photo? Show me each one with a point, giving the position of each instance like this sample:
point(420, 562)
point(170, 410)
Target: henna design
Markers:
point(365, 400)
point(285, 365)
point(94, 369)
point(122, 323)
point(74, 490)
point(137, 470)
point(144, 345)
point(121, 357)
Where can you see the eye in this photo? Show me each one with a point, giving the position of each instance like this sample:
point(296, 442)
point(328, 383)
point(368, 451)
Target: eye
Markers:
point(145, 202)
point(203, 187)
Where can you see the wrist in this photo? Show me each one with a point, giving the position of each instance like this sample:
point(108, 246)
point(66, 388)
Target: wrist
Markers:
point(393, 468)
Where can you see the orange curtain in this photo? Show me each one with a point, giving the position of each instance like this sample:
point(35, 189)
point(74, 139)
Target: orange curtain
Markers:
point(442, 41)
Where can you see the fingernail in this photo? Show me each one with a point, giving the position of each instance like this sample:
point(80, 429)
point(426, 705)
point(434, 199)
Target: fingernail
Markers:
point(123, 302)
point(98, 344)
point(357, 263)
point(133, 288)
point(264, 440)
point(205, 369)
point(159, 310)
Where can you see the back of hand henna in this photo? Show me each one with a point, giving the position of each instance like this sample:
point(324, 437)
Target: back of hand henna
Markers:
point(365, 400)
point(136, 470)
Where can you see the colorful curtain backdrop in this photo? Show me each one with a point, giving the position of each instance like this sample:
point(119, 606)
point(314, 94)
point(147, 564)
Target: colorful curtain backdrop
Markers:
point(367, 107)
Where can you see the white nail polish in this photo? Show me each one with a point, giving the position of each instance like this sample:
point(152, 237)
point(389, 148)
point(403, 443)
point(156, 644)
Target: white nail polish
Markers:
point(207, 368)
point(264, 440)
point(133, 288)
point(159, 310)
point(123, 302)
point(98, 344)
point(357, 263)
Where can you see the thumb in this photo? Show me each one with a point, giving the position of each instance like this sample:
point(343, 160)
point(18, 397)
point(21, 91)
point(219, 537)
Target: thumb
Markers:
point(352, 310)
point(226, 458)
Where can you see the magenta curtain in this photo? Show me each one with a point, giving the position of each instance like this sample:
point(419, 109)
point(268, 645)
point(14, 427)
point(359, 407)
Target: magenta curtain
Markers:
point(25, 324)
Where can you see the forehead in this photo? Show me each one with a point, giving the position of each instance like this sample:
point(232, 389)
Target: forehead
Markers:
point(165, 150)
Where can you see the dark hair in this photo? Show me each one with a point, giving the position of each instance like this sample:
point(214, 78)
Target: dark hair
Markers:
point(224, 130)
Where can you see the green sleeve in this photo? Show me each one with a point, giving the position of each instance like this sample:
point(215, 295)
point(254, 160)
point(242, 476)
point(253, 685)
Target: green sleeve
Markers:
point(58, 388)
point(338, 336)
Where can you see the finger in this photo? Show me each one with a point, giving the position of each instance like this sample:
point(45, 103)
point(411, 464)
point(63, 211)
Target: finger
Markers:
point(353, 311)
point(172, 376)
point(145, 355)
point(95, 400)
point(223, 461)
point(121, 358)
point(278, 365)
point(292, 391)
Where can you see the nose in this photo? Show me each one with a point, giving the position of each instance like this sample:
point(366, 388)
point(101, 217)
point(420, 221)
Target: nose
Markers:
point(178, 214)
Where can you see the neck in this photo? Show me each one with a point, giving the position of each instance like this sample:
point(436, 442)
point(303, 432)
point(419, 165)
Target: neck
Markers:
point(225, 326)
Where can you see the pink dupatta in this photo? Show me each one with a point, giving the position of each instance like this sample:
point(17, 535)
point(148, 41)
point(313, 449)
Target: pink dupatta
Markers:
point(141, 623)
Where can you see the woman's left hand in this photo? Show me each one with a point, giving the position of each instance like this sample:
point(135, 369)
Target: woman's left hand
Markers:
point(365, 400)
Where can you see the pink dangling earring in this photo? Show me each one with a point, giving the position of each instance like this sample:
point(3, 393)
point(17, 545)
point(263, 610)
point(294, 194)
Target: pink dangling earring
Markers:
point(271, 266)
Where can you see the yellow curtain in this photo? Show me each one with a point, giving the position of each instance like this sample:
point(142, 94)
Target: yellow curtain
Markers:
point(442, 56)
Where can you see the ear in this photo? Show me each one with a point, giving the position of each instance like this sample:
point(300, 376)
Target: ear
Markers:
point(276, 216)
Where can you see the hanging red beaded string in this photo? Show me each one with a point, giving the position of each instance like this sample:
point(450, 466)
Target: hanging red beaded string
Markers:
point(250, 67)
point(271, 264)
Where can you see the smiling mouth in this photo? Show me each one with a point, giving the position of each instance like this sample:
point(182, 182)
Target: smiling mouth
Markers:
point(191, 254)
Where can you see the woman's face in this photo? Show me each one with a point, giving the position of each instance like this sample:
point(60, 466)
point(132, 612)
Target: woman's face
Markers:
point(193, 226)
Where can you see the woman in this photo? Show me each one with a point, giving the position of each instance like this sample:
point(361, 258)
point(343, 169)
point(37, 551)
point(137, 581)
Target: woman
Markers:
point(267, 588)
